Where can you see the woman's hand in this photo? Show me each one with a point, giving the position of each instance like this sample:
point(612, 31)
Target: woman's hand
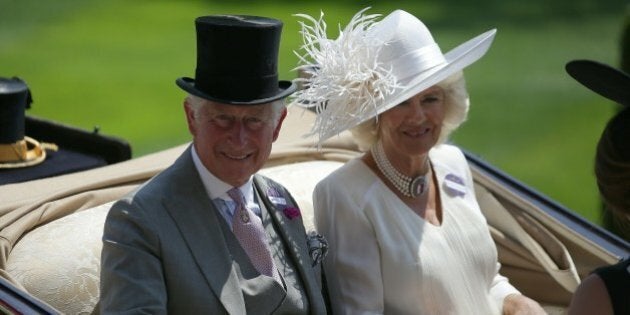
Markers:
point(517, 304)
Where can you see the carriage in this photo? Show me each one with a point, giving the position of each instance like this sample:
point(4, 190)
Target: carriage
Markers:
point(51, 227)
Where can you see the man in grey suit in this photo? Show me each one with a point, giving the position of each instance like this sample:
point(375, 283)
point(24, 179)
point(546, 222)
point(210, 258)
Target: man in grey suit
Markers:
point(208, 235)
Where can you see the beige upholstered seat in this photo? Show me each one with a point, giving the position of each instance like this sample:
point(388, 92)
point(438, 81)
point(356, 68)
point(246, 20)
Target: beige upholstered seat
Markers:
point(59, 262)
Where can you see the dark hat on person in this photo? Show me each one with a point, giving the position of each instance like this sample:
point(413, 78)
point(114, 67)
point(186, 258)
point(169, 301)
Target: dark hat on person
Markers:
point(16, 149)
point(237, 60)
point(612, 157)
point(602, 79)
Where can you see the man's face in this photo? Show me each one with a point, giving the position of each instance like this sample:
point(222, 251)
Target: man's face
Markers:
point(233, 141)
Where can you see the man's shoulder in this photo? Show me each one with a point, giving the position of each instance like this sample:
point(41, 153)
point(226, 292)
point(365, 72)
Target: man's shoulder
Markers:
point(164, 183)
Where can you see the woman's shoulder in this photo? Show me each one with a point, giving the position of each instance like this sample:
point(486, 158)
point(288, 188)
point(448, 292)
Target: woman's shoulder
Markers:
point(447, 151)
point(351, 176)
point(353, 168)
point(448, 155)
point(450, 164)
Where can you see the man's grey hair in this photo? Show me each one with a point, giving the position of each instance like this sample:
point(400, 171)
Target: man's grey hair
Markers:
point(456, 111)
point(197, 102)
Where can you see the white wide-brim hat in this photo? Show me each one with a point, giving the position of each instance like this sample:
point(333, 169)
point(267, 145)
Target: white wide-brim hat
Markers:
point(373, 66)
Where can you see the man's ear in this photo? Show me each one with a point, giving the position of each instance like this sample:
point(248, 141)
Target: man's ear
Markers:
point(190, 117)
point(276, 132)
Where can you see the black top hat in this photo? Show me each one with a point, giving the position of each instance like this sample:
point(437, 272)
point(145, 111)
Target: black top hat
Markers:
point(237, 60)
point(16, 150)
point(602, 79)
point(14, 99)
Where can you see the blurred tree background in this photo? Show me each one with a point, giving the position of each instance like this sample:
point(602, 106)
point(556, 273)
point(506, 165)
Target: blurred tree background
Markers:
point(113, 63)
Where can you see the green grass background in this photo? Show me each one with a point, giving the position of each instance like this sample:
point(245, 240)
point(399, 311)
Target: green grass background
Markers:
point(111, 64)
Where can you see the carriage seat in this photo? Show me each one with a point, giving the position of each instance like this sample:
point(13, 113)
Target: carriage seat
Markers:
point(59, 262)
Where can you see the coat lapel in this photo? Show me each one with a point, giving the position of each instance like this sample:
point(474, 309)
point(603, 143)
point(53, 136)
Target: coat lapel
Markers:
point(196, 218)
point(293, 233)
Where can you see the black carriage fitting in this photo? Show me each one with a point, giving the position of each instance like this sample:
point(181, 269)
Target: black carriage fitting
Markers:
point(79, 150)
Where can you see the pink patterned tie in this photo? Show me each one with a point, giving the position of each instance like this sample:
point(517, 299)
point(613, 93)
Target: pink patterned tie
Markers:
point(249, 231)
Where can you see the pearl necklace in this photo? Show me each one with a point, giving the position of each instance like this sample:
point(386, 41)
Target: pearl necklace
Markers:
point(408, 186)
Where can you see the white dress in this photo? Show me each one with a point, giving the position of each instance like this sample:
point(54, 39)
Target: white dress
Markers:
point(384, 258)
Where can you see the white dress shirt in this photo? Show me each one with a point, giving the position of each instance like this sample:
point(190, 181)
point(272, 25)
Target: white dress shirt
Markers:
point(217, 191)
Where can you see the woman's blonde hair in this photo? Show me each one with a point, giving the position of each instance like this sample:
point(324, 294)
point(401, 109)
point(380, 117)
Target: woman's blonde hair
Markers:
point(456, 112)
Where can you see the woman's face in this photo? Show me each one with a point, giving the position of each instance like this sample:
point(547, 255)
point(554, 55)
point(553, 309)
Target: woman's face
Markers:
point(413, 127)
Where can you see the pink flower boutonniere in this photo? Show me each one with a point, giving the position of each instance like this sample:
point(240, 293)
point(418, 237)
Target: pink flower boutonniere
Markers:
point(291, 212)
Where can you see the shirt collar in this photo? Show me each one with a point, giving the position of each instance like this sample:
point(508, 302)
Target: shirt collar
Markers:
point(217, 188)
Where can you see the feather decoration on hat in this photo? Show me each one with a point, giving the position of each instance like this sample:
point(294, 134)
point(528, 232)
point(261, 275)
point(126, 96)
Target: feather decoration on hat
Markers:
point(343, 78)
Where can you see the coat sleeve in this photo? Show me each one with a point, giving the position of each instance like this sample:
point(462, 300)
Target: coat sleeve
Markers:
point(500, 286)
point(353, 269)
point(131, 272)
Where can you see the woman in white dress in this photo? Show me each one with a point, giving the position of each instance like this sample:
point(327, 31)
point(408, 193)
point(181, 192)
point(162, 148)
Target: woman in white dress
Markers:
point(405, 232)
